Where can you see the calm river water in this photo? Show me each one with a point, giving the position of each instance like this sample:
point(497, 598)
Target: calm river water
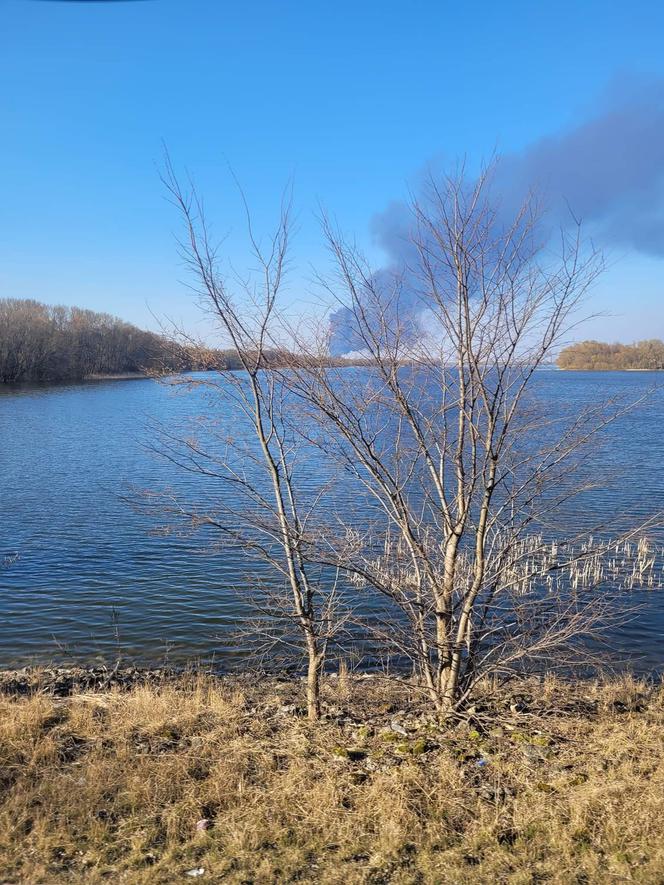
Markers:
point(85, 576)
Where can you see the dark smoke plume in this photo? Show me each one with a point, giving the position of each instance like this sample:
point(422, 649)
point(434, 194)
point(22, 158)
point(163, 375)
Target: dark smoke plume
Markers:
point(607, 172)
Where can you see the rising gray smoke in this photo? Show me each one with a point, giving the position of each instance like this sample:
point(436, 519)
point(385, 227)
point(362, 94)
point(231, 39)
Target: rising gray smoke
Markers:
point(607, 171)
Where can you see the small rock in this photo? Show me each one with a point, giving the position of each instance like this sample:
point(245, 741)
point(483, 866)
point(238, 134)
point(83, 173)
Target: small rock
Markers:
point(287, 709)
point(396, 726)
point(203, 824)
point(197, 871)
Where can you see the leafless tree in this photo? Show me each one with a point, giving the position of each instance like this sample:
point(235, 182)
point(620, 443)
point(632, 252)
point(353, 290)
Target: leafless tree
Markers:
point(466, 465)
point(39, 342)
point(458, 467)
point(263, 509)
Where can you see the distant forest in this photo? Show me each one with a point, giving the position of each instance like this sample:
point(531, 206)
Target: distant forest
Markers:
point(39, 342)
point(43, 343)
point(596, 356)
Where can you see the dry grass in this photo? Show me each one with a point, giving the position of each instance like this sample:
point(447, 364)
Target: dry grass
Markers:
point(109, 786)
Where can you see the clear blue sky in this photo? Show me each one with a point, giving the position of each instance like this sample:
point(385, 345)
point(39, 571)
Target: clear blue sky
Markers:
point(351, 98)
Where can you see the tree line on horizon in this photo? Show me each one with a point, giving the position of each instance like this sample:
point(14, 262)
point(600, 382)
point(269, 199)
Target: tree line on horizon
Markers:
point(40, 342)
point(600, 356)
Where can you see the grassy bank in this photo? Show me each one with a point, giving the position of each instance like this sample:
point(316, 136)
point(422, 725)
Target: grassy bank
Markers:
point(225, 781)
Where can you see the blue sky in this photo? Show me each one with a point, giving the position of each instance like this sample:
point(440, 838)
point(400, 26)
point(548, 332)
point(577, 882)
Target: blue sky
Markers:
point(351, 99)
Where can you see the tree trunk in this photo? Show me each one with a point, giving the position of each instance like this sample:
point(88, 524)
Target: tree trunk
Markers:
point(313, 683)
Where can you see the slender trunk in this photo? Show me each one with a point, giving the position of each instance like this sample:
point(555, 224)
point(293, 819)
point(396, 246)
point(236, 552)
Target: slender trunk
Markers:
point(297, 575)
point(444, 603)
point(451, 689)
point(314, 668)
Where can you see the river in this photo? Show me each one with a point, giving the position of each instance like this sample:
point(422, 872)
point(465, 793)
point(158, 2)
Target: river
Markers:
point(86, 578)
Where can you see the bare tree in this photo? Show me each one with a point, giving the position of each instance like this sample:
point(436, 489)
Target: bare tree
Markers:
point(465, 464)
point(455, 466)
point(43, 343)
point(263, 510)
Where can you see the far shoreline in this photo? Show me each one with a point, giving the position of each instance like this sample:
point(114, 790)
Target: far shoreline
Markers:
point(124, 376)
point(591, 369)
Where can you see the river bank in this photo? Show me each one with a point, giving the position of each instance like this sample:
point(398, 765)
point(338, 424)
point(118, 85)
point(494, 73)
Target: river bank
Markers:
point(159, 777)
point(121, 376)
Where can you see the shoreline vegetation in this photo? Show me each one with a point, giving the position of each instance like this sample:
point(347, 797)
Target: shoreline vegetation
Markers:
point(596, 356)
point(154, 777)
point(44, 344)
point(40, 343)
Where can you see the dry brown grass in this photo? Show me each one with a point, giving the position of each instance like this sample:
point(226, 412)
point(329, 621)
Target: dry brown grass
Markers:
point(109, 786)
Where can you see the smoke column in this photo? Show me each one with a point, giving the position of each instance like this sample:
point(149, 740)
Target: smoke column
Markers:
point(608, 171)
